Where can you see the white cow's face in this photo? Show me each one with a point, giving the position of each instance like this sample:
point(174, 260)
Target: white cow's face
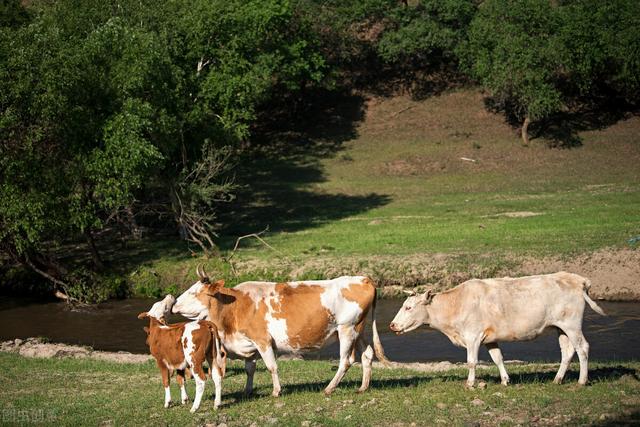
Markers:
point(190, 304)
point(160, 309)
point(412, 314)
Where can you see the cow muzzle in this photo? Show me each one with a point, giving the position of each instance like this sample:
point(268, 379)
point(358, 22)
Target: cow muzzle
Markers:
point(395, 328)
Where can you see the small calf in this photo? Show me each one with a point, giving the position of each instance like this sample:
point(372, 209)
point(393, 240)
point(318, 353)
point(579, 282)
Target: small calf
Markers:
point(181, 345)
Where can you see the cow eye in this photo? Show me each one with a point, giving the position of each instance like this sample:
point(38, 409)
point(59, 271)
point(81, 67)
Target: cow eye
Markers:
point(407, 308)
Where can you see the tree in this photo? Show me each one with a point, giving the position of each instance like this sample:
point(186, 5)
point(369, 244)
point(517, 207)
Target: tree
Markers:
point(515, 52)
point(428, 32)
point(112, 107)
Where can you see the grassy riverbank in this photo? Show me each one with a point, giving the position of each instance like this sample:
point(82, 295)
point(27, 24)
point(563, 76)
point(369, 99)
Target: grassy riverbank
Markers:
point(414, 192)
point(387, 192)
point(90, 392)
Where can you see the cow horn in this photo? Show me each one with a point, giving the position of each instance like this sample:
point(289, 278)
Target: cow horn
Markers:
point(204, 273)
point(410, 293)
point(200, 275)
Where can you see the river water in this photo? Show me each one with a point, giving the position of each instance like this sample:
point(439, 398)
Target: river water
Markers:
point(114, 326)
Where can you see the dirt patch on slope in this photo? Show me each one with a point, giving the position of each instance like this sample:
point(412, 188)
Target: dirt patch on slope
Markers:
point(614, 274)
point(36, 347)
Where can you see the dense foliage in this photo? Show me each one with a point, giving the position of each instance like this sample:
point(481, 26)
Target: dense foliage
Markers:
point(114, 109)
point(534, 56)
point(119, 114)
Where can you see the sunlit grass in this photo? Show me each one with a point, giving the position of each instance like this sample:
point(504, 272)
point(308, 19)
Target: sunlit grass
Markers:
point(84, 392)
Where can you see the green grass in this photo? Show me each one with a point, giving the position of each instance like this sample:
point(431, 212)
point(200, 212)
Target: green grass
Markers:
point(400, 187)
point(389, 193)
point(86, 392)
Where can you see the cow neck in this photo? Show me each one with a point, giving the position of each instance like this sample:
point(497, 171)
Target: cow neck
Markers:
point(221, 312)
point(439, 318)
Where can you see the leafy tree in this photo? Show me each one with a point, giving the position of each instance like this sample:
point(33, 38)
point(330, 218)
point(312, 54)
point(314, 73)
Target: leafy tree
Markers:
point(602, 46)
point(427, 32)
point(108, 108)
point(515, 52)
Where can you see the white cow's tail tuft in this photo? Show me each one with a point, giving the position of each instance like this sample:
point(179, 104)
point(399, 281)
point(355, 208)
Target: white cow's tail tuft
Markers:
point(586, 285)
point(377, 344)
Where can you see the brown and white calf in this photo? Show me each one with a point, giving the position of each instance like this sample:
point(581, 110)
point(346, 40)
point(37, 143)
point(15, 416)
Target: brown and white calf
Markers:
point(184, 345)
point(489, 311)
point(258, 319)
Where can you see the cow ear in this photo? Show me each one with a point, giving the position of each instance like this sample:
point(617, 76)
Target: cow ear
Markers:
point(143, 315)
point(427, 297)
point(215, 287)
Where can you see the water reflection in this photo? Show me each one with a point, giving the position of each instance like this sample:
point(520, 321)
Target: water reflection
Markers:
point(113, 326)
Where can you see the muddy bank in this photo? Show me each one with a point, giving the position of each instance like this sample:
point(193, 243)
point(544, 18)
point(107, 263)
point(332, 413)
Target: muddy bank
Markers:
point(37, 347)
point(614, 273)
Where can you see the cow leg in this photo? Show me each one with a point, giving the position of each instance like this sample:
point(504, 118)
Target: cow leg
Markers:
point(581, 346)
point(472, 361)
point(217, 381)
point(496, 356)
point(164, 372)
point(347, 336)
point(184, 398)
point(367, 360)
point(250, 369)
point(269, 358)
point(567, 351)
point(200, 377)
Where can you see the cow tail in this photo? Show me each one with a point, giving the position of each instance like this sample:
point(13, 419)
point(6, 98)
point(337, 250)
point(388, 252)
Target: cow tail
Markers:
point(585, 294)
point(219, 356)
point(377, 344)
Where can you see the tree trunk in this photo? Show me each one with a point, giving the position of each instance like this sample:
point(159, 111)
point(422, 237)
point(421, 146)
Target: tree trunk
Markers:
point(95, 255)
point(525, 133)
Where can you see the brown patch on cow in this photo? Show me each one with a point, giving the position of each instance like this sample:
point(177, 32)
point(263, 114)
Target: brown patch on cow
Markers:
point(234, 311)
point(202, 341)
point(360, 293)
point(186, 341)
point(301, 308)
point(164, 343)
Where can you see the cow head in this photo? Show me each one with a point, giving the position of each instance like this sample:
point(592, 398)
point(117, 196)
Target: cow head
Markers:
point(160, 309)
point(413, 313)
point(194, 302)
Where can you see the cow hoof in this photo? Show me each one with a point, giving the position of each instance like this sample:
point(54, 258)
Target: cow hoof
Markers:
point(557, 380)
point(361, 390)
point(192, 410)
point(468, 386)
point(275, 394)
point(328, 392)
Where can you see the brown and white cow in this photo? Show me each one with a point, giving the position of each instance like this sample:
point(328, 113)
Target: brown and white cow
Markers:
point(184, 345)
point(509, 309)
point(260, 319)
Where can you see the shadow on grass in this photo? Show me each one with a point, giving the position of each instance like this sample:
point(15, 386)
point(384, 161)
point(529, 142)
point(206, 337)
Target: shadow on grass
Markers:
point(632, 418)
point(561, 129)
point(597, 374)
point(319, 386)
point(279, 169)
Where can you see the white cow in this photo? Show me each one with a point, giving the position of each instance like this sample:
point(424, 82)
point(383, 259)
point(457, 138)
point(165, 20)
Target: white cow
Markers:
point(509, 309)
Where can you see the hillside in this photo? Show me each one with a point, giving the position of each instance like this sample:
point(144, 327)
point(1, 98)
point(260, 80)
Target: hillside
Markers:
point(435, 191)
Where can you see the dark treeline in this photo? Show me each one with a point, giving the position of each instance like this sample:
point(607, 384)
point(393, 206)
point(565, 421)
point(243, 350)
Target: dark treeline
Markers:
point(118, 115)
